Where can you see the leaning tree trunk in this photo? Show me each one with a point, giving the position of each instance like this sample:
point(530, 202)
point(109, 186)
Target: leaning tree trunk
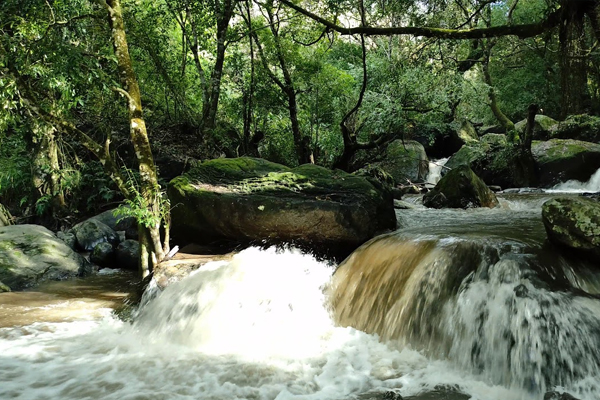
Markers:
point(152, 250)
point(573, 68)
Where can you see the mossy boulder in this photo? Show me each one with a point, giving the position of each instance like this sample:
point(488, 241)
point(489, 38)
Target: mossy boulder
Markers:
point(467, 155)
point(30, 254)
point(253, 200)
point(92, 232)
point(574, 223)
point(460, 188)
point(578, 127)
point(543, 128)
point(560, 160)
point(464, 134)
point(405, 160)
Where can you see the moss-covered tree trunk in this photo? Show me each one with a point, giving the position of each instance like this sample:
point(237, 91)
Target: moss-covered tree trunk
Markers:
point(152, 249)
point(45, 170)
point(494, 105)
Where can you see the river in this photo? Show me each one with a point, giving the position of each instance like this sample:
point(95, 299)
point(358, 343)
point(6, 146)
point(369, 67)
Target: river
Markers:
point(456, 304)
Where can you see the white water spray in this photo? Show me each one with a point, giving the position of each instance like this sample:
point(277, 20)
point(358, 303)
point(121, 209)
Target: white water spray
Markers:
point(574, 186)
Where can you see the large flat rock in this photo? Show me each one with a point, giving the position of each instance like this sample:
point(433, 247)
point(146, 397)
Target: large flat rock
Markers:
point(253, 200)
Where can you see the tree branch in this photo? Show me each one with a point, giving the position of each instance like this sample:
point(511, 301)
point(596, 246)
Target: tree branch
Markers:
point(522, 31)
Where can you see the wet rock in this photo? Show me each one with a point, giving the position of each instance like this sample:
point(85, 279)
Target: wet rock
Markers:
point(574, 223)
point(591, 195)
point(521, 291)
point(460, 188)
point(91, 232)
point(127, 255)
point(30, 254)
point(558, 396)
point(117, 222)
point(174, 270)
point(249, 199)
point(560, 160)
point(403, 205)
point(103, 255)
point(69, 238)
point(543, 128)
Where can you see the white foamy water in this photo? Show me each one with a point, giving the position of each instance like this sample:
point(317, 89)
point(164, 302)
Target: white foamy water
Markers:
point(254, 328)
point(435, 170)
point(574, 186)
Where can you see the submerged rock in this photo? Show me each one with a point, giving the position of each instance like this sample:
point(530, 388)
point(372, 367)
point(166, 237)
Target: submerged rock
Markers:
point(558, 396)
point(92, 232)
point(250, 199)
point(560, 160)
point(573, 223)
point(460, 188)
point(30, 254)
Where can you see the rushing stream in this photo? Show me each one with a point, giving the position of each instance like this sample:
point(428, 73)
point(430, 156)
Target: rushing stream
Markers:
point(455, 304)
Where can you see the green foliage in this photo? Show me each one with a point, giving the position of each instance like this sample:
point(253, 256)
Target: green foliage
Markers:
point(15, 171)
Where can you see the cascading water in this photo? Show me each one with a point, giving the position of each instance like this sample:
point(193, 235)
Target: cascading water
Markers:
point(457, 302)
point(496, 301)
point(574, 186)
point(435, 170)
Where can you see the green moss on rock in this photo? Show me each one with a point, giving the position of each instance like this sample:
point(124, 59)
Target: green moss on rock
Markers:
point(573, 223)
point(460, 188)
point(30, 254)
point(226, 199)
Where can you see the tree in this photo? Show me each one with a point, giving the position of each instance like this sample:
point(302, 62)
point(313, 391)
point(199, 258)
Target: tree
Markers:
point(154, 210)
point(568, 15)
point(190, 15)
point(286, 84)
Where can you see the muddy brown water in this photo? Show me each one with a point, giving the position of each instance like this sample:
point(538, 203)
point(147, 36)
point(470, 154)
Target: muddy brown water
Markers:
point(69, 300)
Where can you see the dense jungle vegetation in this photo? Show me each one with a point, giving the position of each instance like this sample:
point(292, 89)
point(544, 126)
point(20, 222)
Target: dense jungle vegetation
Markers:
point(290, 81)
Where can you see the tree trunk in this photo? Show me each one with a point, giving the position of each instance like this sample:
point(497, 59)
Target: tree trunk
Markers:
point(209, 109)
point(495, 107)
point(45, 171)
point(152, 250)
point(573, 68)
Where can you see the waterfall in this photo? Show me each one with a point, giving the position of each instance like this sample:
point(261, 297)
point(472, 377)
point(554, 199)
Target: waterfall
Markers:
point(496, 308)
point(435, 170)
point(574, 186)
point(456, 304)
